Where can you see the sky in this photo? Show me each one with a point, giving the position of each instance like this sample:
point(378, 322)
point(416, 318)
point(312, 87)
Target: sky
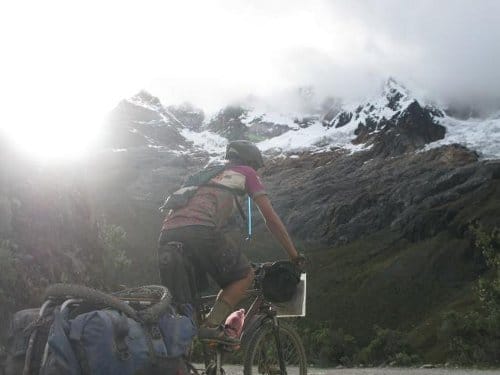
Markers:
point(65, 64)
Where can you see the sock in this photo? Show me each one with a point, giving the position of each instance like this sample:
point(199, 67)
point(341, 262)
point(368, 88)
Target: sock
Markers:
point(219, 312)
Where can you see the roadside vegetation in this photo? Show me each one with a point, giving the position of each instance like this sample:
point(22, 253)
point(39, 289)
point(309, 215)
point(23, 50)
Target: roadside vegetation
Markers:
point(473, 336)
point(465, 336)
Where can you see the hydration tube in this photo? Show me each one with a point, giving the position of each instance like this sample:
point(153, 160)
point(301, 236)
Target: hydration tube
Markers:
point(249, 218)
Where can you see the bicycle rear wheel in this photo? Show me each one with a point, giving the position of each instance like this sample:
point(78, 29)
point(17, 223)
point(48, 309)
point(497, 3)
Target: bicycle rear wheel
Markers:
point(261, 356)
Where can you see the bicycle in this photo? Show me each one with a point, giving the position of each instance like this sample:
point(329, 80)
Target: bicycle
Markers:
point(270, 345)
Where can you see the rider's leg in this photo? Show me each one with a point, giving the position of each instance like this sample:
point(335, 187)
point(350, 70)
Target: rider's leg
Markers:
point(228, 298)
point(235, 292)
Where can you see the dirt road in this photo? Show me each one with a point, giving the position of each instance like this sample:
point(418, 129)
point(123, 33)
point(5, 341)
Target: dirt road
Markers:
point(237, 370)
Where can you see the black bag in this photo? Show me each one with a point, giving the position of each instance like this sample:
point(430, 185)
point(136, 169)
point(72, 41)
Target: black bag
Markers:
point(177, 272)
point(280, 281)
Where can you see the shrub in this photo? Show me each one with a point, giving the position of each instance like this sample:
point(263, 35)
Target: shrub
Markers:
point(473, 336)
point(8, 274)
point(115, 263)
point(388, 346)
point(328, 346)
point(8, 283)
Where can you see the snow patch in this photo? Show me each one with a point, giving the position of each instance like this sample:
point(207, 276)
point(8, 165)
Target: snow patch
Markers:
point(206, 140)
point(482, 136)
point(315, 138)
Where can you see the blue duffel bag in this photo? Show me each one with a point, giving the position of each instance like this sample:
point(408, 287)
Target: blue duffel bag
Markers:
point(106, 342)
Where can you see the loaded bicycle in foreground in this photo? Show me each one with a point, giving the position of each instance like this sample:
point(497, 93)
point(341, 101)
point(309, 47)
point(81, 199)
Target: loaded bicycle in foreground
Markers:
point(82, 331)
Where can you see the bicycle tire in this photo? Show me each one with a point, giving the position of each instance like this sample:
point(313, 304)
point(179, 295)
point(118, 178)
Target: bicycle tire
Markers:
point(153, 313)
point(156, 310)
point(92, 296)
point(261, 355)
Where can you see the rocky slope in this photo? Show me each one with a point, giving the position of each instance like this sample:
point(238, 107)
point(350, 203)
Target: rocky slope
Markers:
point(339, 197)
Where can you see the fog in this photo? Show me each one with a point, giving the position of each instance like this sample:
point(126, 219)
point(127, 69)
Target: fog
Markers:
point(69, 63)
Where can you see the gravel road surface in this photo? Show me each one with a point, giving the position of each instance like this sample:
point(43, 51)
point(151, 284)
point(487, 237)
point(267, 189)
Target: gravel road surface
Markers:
point(237, 370)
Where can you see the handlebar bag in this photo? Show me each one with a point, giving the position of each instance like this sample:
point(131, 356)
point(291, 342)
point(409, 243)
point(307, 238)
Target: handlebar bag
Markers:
point(280, 281)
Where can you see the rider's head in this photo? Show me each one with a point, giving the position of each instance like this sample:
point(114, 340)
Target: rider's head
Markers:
point(244, 152)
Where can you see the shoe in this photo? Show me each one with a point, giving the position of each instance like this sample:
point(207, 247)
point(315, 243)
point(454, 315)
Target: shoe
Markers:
point(216, 335)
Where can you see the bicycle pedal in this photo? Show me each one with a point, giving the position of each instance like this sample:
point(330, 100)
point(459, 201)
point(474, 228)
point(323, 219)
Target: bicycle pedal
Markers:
point(225, 347)
point(231, 348)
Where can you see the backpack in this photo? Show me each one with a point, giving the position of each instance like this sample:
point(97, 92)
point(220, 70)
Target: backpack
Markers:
point(99, 342)
point(106, 342)
point(181, 197)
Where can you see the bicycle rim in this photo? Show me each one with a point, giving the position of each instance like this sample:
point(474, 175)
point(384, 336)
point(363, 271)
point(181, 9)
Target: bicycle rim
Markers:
point(261, 355)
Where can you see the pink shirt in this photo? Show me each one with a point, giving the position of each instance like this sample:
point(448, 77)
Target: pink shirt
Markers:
point(213, 206)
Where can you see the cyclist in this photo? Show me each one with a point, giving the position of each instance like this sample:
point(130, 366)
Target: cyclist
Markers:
point(199, 227)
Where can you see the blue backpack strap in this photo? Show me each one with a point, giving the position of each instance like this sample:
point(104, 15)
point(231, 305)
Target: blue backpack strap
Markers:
point(156, 346)
point(60, 345)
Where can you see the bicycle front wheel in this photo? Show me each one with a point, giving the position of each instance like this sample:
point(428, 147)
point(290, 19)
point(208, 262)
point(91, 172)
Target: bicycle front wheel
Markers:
point(262, 357)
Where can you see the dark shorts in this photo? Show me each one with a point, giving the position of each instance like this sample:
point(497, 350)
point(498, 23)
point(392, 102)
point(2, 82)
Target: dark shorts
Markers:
point(209, 253)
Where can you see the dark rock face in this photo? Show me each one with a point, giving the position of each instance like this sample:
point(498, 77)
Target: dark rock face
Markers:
point(229, 123)
point(262, 130)
point(305, 122)
point(330, 108)
point(340, 119)
point(407, 131)
point(338, 198)
point(434, 111)
point(190, 116)
point(143, 121)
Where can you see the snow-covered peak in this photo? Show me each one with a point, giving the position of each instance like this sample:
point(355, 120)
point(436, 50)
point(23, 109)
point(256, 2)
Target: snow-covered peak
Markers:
point(377, 121)
point(392, 101)
point(394, 91)
point(146, 100)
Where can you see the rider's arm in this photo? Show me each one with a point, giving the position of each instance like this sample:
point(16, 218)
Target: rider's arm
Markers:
point(275, 225)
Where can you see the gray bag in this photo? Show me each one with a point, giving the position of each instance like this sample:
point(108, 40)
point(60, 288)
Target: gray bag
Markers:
point(23, 326)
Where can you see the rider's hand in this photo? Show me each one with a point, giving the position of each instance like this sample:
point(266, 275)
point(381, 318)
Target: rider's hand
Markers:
point(300, 261)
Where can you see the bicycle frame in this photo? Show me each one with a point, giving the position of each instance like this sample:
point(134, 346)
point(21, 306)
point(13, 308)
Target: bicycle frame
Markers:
point(258, 314)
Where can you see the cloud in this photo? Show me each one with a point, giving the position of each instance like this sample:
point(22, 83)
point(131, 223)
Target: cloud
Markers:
point(75, 57)
point(456, 44)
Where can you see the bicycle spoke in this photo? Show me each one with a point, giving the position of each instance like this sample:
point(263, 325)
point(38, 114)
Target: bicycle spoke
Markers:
point(265, 359)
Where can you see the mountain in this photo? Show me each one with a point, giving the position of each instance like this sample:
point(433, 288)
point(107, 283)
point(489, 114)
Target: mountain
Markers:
point(239, 122)
point(142, 121)
point(392, 123)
